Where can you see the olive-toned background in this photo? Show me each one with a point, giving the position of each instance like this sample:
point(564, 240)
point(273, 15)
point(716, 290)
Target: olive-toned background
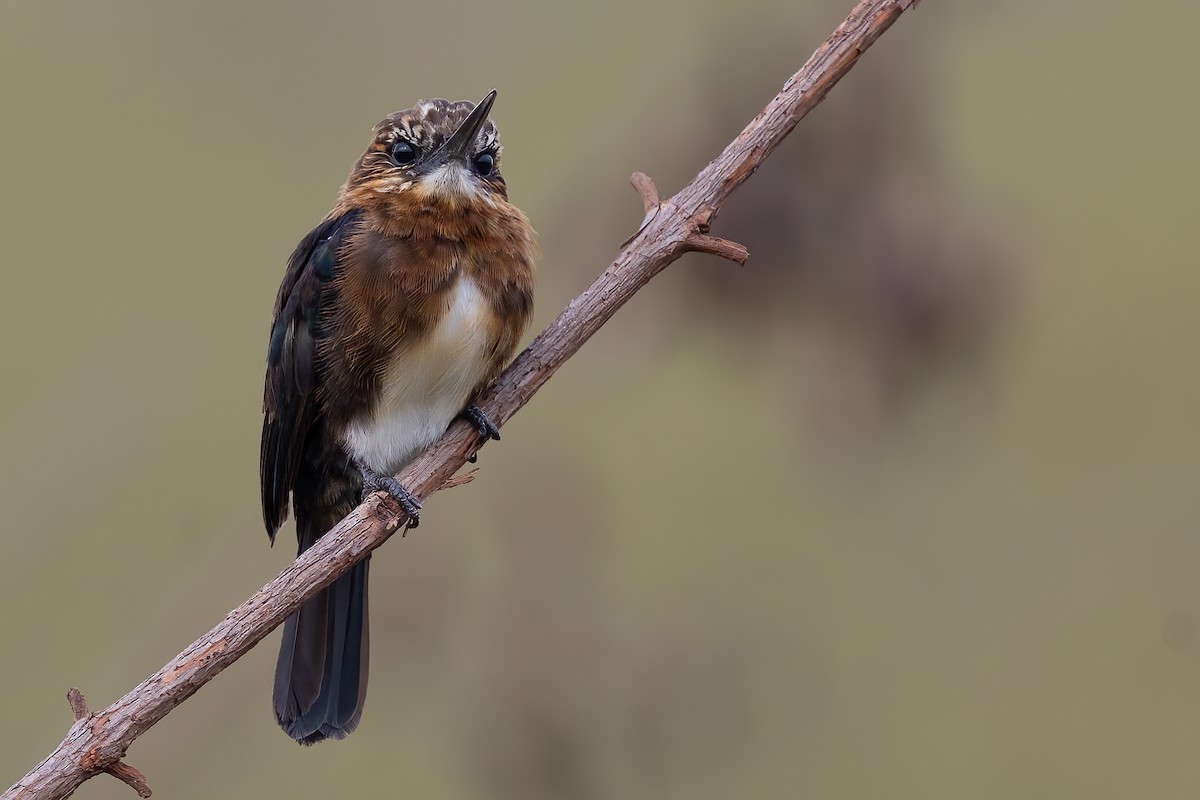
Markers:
point(906, 507)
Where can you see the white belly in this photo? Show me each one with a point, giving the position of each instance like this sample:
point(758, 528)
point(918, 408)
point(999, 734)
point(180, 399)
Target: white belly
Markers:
point(426, 385)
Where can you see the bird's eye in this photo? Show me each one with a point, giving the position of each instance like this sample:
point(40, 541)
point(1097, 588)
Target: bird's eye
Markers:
point(485, 163)
point(404, 152)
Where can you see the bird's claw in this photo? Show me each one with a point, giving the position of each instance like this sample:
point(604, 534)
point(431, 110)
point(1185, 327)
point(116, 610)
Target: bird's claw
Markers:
point(486, 428)
point(374, 482)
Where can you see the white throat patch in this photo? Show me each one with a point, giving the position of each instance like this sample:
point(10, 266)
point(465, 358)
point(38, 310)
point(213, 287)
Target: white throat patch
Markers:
point(453, 178)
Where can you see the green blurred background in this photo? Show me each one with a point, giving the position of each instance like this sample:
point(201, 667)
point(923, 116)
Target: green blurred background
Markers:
point(905, 507)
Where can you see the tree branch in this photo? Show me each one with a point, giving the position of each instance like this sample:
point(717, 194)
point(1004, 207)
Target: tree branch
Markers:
point(98, 741)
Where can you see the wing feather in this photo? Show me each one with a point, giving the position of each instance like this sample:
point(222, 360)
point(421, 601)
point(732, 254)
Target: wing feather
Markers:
point(290, 408)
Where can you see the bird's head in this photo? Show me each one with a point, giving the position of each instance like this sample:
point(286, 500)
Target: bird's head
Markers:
point(440, 155)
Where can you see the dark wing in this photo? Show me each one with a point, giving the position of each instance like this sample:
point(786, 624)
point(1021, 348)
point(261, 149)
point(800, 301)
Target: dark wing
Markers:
point(289, 397)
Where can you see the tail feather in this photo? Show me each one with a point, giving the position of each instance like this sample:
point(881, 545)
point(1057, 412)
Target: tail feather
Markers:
point(321, 675)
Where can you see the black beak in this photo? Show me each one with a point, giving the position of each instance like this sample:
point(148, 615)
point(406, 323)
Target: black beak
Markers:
point(460, 143)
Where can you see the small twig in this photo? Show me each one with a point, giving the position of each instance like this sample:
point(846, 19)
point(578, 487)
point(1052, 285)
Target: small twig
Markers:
point(646, 189)
point(130, 776)
point(698, 240)
point(650, 202)
point(703, 243)
point(78, 703)
point(118, 769)
point(672, 227)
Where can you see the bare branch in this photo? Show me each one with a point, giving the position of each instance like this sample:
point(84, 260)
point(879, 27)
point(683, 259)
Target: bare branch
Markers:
point(97, 742)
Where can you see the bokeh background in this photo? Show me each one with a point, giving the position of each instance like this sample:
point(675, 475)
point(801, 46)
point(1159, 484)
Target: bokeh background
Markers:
point(905, 507)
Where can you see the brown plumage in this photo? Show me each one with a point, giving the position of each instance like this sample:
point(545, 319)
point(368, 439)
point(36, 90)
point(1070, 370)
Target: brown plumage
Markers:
point(403, 303)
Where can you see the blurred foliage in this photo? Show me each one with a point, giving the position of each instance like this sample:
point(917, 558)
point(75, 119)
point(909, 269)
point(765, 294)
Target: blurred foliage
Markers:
point(905, 506)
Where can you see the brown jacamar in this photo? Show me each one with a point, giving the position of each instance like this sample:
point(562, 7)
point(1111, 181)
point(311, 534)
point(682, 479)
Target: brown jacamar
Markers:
point(394, 312)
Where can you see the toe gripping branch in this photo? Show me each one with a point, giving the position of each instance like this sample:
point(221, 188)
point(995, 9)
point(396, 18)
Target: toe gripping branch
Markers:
point(374, 482)
point(486, 428)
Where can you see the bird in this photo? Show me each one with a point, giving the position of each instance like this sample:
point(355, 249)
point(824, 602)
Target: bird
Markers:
point(408, 299)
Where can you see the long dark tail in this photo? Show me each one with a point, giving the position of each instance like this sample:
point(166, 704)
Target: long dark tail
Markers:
point(321, 676)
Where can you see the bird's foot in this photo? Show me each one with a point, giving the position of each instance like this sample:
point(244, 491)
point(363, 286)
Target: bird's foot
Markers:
point(373, 482)
point(486, 428)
